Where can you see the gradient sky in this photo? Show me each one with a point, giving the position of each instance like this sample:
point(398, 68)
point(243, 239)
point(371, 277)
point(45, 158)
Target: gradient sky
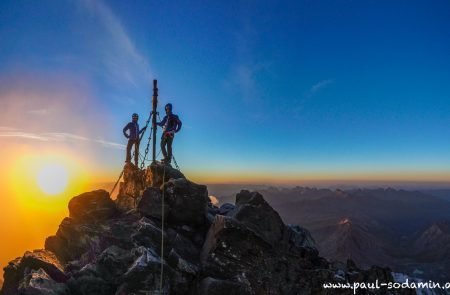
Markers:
point(267, 91)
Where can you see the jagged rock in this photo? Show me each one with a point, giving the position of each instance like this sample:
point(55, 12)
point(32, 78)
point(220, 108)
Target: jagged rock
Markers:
point(125, 202)
point(144, 273)
point(181, 264)
point(88, 283)
point(113, 262)
point(252, 210)
point(38, 282)
point(92, 206)
point(184, 246)
point(243, 249)
point(226, 208)
point(83, 242)
point(133, 181)
point(300, 237)
point(188, 201)
point(148, 234)
point(17, 269)
point(231, 247)
point(151, 204)
point(211, 286)
point(156, 172)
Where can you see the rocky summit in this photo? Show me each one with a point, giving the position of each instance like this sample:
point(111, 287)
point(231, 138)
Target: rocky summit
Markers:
point(121, 246)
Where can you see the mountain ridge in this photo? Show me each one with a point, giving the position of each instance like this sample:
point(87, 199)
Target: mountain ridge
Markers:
point(118, 247)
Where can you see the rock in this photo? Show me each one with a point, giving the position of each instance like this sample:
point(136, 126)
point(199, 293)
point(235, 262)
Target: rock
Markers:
point(92, 206)
point(148, 234)
point(126, 202)
point(38, 282)
point(226, 208)
point(231, 248)
point(211, 286)
point(252, 210)
point(17, 269)
point(156, 172)
point(188, 201)
point(300, 237)
point(151, 204)
point(113, 262)
point(176, 261)
point(58, 246)
point(133, 181)
point(242, 249)
point(144, 272)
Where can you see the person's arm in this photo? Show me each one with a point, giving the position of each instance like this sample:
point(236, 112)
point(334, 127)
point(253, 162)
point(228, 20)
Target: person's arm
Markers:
point(125, 130)
point(142, 130)
point(162, 122)
point(179, 123)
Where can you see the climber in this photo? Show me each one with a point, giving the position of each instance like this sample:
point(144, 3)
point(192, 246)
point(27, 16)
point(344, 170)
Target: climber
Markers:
point(133, 138)
point(171, 124)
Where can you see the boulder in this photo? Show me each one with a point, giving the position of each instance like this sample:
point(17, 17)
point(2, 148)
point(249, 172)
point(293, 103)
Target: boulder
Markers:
point(38, 282)
point(157, 171)
point(300, 237)
point(151, 204)
point(226, 208)
point(144, 273)
point(19, 268)
point(188, 201)
point(253, 211)
point(125, 202)
point(232, 248)
point(133, 181)
point(92, 206)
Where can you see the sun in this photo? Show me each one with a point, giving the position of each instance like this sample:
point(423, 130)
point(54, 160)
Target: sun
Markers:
point(52, 178)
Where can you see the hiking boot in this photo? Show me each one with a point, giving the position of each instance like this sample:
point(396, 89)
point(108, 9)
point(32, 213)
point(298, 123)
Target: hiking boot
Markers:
point(165, 161)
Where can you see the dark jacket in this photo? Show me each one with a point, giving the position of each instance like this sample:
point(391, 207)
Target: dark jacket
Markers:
point(134, 130)
point(170, 123)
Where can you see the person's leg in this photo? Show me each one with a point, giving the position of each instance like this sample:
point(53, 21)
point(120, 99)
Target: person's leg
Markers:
point(136, 152)
point(169, 148)
point(163, 146)
point(129, 145)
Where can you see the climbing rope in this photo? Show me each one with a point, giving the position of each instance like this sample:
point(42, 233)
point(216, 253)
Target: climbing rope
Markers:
point(117, 182)
point(162, 232)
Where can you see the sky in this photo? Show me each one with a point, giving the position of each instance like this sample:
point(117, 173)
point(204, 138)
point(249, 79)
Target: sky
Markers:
point(266, 90)
point(279, 92)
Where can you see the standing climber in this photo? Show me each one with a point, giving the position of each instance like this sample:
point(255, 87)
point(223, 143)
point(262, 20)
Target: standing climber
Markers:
point(171, 124)
point(133, 138)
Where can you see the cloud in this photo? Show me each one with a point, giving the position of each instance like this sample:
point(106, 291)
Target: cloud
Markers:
point(319, 86)
point(58, 137)
point(315, 89)
point(249, 68)
point(118, 57)
point(38, 112)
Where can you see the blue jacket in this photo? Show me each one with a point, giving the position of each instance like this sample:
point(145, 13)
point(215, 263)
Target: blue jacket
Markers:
point(134, 130)
point(170, 123)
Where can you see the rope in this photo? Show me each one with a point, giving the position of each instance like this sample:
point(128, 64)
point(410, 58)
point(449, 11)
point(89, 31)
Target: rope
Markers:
point(117, 182)
point(162, 233)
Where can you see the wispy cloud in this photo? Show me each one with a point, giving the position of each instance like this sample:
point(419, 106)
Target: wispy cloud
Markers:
point(118, 55)
point(312, 91)
point(319, 86)
point(58, 137)
point(39, 112)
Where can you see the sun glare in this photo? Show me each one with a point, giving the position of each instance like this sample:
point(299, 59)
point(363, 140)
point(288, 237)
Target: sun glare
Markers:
point(52, 178)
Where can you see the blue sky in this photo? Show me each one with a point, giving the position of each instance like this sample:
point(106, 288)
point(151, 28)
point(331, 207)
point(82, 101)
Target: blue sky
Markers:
point(301, 89)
